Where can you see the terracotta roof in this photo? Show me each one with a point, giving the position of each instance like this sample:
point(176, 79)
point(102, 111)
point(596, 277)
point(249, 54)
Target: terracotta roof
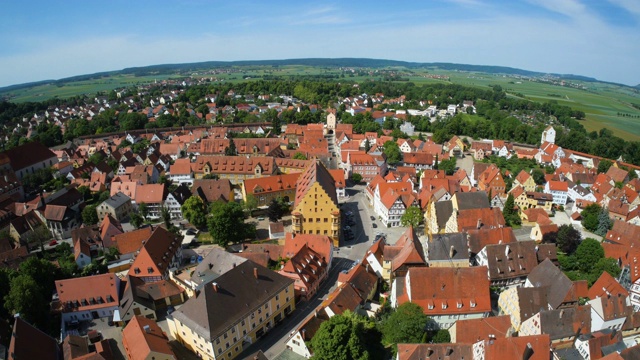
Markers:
point(316, 172)
point(88, 293)
point(150, 193)
point(261, 146)
point(235, 164)
point(321, 244)
point(444, 290)
point(261, 259)
point(155, 255)
point(128, 188)
point(25, 336)
point(142, 337)
point(306, 266)
point(210, 190)
point(55, 212)
point(479, 238)
point(487, 218)
point(616, 174)
point(507, 261)
point(181, 167)
point(132, 241)
point(269, 184)
point(519, 348)
point(109, 228)
point(344, 298)
point(434, 351)
point(473, 330)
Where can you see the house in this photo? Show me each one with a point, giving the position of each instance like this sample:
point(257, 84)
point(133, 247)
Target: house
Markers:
point(418, 160)
point(445, 294)
point(618, 175)
point(81, 252)
point(508, 264)
point(609, 312)
point(597, 344)
point(210, 190)
point(315, 208)
point(180, 172)
point(562, 325)
point(561, 291)
point(534, 347)
point(500, 148)
point(117, 206)
point(391, 200)
point(234, 168)
point(474, 330)
point(442, 216)
point(130, 242)
point(109, 228)
point(233, 311)
point(29, 158)
point(215, 264)
point(87, 298)
point(481, 149)
point(21, 228)
point(23, 338)
point(176, 199)
point(521, 303)
point(406, 253)
point(338, 176)
point(559, 190)
point(143, 339)
point(434, 351)
point(548, 135)
point(307, 268)
point(276, 230)
point(268, 188)
point(153, 196)
point(525, 180)
point(161, 252)
point(491, 181)
point(364, 164)
point(539, 200)
point(447, 250)
point(76, 347)
point(62, 213)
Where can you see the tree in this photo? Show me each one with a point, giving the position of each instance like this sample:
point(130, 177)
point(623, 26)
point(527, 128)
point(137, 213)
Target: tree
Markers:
point(411, 217)
point(136, 220)
point(96, 158)
point(39, 236)
point(165, 214)
point(299, 156)
point(442, 337)
point(231, 149)
point(568, 239)
point(27, 298)
point(604, 166)
point(590, 217)
point(392, 151)
point(143, 209)
point(604, 222)
point(606, 264)
point(510, 213)
point(347, 337)
point(404, 325)
point(250, 203)
point(274, 211)
point(195, 211)
point(356, 178)
point(588, 253)
point(538, 176)
point(90, 215)
point(448, 166)
point(226, 223)
point(367, 145)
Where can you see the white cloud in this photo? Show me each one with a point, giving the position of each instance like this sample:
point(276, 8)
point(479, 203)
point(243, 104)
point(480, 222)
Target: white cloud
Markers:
point(632, 6)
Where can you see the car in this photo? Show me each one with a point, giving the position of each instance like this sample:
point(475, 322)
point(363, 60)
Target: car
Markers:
point(347, 228)
point(374, 225)
point(170, 309)
point(53, 243)
point(260, 218)
point(193, 259)
point(373, 218)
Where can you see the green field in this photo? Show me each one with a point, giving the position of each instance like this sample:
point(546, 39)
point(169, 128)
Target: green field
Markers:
point(601, 102)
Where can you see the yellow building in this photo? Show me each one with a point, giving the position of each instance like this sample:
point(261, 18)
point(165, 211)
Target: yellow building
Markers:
point(268, 188)
point(315, 209)
point(233, 311)
point(525, 180)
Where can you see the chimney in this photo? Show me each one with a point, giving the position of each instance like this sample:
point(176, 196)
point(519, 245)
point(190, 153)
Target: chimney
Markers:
point(255, 272)
point(479, 224)
point(215, 286)
point(147, 329)
point(528, 352)
point(452, 252)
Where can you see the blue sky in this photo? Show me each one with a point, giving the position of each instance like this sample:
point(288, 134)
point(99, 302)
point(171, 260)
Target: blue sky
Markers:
point(55, 39)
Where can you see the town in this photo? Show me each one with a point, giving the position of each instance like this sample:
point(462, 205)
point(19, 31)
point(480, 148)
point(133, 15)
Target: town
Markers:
point(170, 222)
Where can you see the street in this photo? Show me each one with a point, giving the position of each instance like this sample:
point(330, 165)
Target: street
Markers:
point(274, 342)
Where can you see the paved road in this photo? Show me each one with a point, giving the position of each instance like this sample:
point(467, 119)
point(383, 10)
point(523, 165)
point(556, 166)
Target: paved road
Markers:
point(274, 342)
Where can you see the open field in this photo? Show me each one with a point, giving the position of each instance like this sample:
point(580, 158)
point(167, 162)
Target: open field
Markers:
point(602, 103)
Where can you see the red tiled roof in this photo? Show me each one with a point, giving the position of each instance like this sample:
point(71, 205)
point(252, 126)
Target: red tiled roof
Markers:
point(156, 254)
point(142, 338)
point(269, 184)
point(473, 330)
point(132, 241)
point(88, 293)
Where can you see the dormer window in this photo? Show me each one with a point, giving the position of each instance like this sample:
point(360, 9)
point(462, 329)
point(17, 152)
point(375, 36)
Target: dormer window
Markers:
point(459, 304)
point(430, 306)
point(473, 303)
point(444, 305)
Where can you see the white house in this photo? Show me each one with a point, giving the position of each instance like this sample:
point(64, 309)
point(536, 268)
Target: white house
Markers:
point(559, 190)
point(578, 192)
point(451, 109)
point(548, 135)
point(609, 312)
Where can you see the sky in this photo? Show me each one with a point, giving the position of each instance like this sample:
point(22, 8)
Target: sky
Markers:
point(53, 39)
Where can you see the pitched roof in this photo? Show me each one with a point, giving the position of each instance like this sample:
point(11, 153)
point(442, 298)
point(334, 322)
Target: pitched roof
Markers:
point(132, 241)
point(479, 238)
point(565, 322)
point(88, 293)
point(142, 337)
point(558, 185)
point(531, 300)
point(471, 200)
point(444, 290)
point(316, 172)
point(235, 164)
point(546, 274)
point(470, 331)
point(269, 184)
point(215, 264)
point(181, 167)
point(606, 285)
point(534, 347)
point(616, 174)
point(109, 228)
point(150, 193)
point(28, 154)
point(507, 261)
point(235, 294)
point(156, 254)
point(321, 244)
point(453, 246)
point(23, 338)
point(434, 351)
point(475, 218)
point(210, 190)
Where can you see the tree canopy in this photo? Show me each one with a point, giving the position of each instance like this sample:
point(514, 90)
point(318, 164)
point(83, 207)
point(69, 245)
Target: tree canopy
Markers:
point(392, 151)
point(412, 217)
point(347, 337)
point(226, 223)
point(195, 211)
point(405, 324)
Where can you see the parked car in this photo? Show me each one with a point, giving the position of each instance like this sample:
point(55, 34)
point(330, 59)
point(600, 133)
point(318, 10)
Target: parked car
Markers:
point(193, 259)
point(374, 225)
point(53, 243)
point(373, 218)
